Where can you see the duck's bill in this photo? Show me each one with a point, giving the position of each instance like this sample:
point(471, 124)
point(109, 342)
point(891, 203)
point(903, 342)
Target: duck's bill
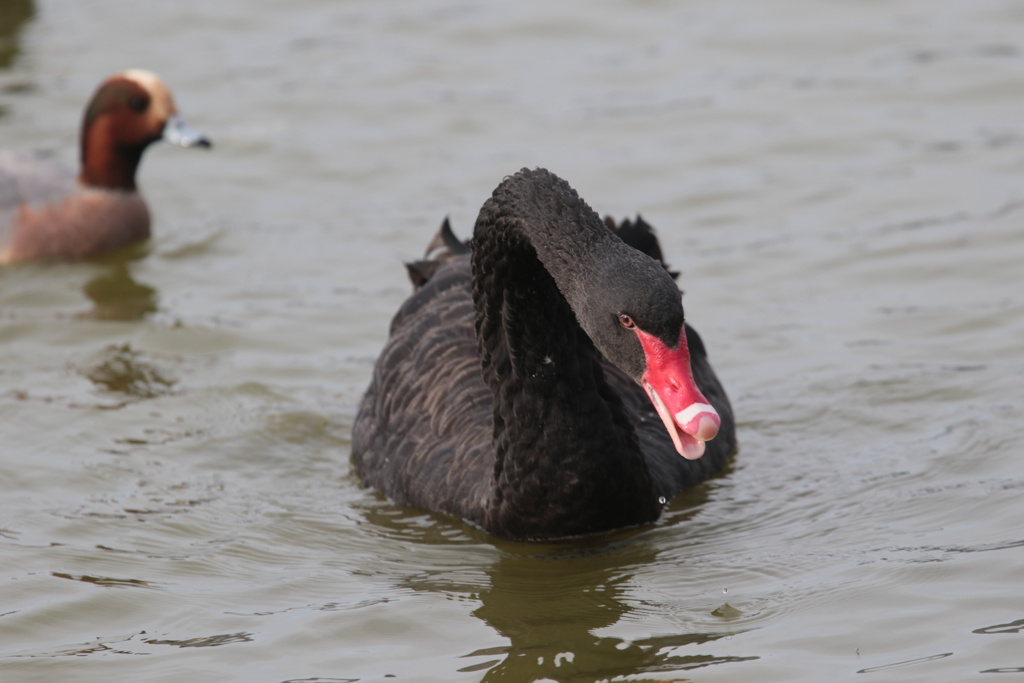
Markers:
point(177, 132)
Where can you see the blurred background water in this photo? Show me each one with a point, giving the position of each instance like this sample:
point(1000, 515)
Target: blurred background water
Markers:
point(840, 184)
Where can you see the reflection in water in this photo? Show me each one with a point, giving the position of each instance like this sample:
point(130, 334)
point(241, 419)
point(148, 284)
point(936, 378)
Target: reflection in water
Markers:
point(549, 609)
point(908, 662)
point(549, 600)
point(116, 296)
point(206, 641)
point(103, 580)
point(1012, 627)
point(14, 14)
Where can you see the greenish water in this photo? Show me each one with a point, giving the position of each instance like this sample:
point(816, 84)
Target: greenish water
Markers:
point(839, 183)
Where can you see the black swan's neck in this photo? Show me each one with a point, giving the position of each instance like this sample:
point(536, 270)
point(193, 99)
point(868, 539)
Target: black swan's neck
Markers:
point(567, 457)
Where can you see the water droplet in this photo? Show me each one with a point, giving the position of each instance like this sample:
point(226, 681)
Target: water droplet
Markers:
point(725, 590)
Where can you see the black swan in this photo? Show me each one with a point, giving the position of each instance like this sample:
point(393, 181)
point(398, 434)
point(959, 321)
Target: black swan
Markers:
point(543, 384)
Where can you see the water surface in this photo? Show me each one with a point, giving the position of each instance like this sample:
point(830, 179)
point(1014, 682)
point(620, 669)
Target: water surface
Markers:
point(840, 185)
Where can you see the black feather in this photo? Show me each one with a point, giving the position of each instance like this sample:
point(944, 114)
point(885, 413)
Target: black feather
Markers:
point(491, 400)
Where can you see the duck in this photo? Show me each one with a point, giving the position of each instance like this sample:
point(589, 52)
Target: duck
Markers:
point(49, 213)
point(541, 381)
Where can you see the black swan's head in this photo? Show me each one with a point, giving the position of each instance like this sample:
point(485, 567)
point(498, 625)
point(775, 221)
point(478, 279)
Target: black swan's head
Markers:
point(637, 323)
point(626, 301)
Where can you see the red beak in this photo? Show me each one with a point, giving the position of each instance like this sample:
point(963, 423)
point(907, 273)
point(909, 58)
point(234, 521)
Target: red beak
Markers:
point(668, 380)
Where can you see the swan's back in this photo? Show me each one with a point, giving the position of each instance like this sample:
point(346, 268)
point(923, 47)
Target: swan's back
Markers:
point(423, 432)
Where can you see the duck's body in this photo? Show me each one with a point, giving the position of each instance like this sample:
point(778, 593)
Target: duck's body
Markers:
point(49, 213)
point(495, 399)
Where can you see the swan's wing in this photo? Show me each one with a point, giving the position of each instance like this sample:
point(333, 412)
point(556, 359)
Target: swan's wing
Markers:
point(423, 432)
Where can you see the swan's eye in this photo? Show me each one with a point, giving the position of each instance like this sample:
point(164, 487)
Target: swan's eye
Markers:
point(626, 321)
